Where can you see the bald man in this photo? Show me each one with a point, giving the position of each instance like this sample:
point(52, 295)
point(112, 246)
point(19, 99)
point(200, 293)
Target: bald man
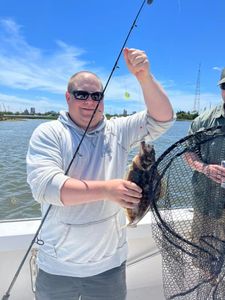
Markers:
point(85, 249)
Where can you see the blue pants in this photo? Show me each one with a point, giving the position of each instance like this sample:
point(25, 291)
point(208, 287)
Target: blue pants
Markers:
point(110, 285)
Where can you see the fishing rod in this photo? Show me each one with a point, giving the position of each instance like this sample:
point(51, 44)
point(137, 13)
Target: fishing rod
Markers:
point(35, 238)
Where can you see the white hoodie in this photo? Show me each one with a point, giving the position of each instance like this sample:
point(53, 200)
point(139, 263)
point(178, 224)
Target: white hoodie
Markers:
point(85, 239)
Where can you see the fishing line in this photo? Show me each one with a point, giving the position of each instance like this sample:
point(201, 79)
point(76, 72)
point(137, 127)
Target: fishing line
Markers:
point(35, 239)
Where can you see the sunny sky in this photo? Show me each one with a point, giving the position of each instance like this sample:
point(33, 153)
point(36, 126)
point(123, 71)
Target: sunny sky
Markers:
point(42, 43)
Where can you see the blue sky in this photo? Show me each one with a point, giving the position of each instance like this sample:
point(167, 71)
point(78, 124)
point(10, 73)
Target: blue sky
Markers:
point(42, 43)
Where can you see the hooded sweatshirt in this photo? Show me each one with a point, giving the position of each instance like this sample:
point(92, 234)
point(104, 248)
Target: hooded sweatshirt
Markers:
point(85, 239)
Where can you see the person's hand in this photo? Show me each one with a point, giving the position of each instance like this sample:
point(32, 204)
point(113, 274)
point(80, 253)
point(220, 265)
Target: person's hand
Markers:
point(214, 172)
point(125, 193)
point(137, 62)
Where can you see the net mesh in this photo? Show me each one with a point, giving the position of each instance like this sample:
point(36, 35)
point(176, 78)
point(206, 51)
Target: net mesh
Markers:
point(189, 217)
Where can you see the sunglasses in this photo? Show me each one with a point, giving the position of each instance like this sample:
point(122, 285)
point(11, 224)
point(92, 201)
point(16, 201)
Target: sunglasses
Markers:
point(83, 95)
point(222, 86)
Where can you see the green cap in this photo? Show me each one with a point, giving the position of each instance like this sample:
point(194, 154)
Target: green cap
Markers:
point(222, 77)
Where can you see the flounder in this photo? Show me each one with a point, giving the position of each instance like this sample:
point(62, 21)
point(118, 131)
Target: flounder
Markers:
point(139, 173)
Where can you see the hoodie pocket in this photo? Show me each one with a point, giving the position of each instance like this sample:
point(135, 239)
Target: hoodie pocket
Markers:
point(93, 242)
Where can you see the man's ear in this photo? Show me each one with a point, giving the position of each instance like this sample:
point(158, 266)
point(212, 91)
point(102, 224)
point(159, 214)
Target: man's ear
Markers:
point(67, 95)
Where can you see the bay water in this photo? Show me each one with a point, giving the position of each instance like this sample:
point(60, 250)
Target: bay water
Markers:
point(16, 200)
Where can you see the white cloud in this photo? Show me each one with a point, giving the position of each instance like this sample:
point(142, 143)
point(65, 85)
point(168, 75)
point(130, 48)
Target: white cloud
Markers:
point(41, 104)
point(27, 68)
point(185, 101)
point(217, 68)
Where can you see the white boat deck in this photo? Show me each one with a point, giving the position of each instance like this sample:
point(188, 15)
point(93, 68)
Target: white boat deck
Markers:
point(144, 278)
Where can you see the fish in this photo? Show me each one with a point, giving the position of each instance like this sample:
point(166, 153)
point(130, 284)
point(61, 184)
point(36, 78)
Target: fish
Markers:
point(140, 173)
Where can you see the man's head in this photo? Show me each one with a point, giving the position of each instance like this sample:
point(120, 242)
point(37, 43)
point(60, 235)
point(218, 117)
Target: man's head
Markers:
point(221, 83)
point(81, 105)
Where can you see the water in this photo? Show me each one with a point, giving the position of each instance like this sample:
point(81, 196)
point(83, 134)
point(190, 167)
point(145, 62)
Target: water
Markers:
point(16, 200)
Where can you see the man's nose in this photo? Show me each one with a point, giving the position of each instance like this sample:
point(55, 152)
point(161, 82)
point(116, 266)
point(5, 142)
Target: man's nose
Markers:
point(90, 101)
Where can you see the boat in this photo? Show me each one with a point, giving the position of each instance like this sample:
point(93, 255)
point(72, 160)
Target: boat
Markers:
point(144, 278)
point(144, 267)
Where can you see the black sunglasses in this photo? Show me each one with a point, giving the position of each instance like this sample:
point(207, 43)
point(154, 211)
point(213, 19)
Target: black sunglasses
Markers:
point(83, 95)
point(222, 86)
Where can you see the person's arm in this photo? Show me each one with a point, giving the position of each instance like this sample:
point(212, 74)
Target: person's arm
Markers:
point(49, 184)
point(156, 100)
point(125, 193)
point(195, 162)
point(212, 171)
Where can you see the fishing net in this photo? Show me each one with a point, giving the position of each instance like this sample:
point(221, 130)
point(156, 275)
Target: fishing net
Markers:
point(189, 217)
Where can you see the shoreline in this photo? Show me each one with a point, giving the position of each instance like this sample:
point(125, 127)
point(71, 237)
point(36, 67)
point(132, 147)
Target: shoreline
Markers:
point(30, 117)
point(25, 117)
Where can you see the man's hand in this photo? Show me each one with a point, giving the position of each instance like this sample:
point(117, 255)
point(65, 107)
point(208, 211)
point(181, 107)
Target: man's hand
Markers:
point(126, 193)
point(137, 62)
point(156, 100)
point(214, 172)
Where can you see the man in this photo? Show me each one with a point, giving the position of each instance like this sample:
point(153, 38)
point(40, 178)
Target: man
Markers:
point(211, 118)
point(85, 248)
point(208, 228)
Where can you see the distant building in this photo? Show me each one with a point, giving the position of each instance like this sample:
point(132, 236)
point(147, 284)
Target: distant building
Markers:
point(124, 112)
point(32, 110)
